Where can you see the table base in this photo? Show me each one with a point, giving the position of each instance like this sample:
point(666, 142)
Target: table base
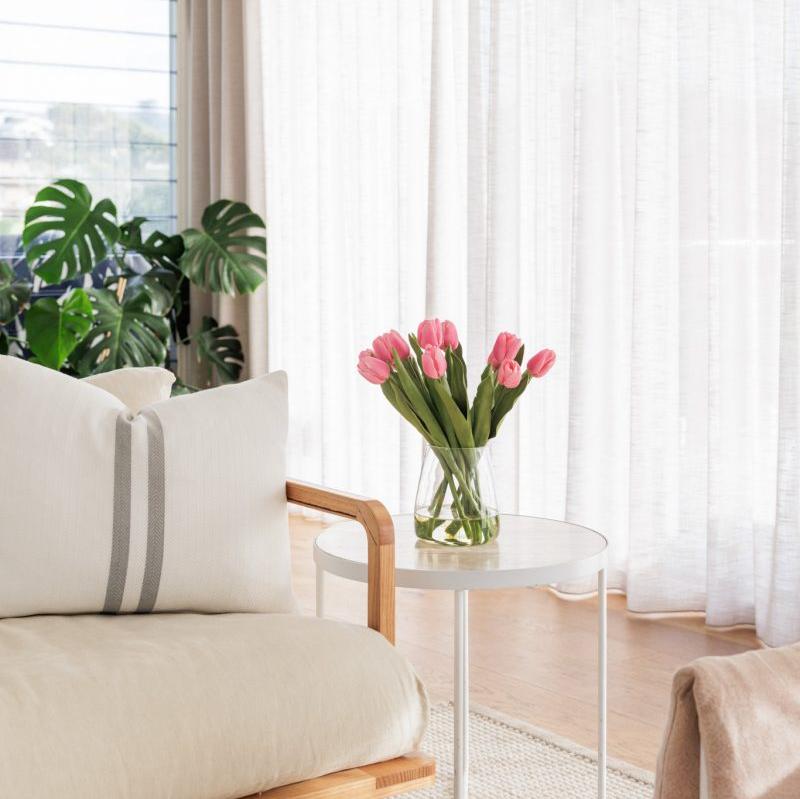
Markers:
point(461, 684)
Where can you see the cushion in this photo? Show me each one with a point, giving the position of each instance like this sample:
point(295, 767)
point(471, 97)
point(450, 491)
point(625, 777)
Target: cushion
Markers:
point(181, 507)
point(135, 386)
point(196, 707)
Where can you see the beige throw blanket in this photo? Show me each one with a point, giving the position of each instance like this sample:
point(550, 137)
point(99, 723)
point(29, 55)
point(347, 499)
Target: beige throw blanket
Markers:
point(746, 711)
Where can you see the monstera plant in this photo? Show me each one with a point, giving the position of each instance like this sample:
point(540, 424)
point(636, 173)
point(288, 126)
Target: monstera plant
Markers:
point(121, 296)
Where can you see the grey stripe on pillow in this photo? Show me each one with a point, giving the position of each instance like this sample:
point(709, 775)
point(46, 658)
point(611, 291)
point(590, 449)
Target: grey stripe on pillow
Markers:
point(155, 513)
point(121, 524)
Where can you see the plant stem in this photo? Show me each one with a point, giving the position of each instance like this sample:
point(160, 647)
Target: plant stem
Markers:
point(460, 475)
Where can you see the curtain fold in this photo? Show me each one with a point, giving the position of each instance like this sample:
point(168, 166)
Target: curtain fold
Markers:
point(221, 147)
point(615, 179)
point(777, 580)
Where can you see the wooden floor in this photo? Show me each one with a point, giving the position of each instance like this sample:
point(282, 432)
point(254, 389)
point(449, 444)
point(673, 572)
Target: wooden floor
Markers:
point(533, 655)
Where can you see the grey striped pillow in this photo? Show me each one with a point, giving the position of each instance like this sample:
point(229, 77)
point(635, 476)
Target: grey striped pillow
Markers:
point(179, 507)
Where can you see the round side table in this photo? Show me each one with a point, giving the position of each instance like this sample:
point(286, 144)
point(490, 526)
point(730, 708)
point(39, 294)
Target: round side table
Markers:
point(529, 551)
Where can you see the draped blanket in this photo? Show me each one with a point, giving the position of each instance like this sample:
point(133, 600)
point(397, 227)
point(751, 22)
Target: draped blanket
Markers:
point(745, 710)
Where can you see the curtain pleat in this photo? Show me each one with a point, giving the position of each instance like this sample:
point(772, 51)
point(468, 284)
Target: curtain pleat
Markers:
point(778, 556)
point(221, 148)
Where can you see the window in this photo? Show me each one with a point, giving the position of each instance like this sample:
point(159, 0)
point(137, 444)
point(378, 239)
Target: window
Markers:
point(87, 91)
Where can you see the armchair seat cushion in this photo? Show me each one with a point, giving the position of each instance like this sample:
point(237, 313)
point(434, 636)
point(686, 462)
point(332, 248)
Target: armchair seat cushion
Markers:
point(191, 706)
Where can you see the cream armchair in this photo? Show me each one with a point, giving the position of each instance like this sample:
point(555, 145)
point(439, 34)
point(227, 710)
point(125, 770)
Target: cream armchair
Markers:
point(215, 706)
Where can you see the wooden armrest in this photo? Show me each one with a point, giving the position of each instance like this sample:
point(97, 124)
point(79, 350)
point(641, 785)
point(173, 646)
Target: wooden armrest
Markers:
point(378, 525)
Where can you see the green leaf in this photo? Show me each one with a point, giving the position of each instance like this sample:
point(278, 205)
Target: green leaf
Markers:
point(415, 370)
point(520, 355)
point(124, 334)
point(55, 327)
point(415, 399)
point(504, 402)
point(394, 394)
point(452, 414)
point(64, 235)
point(451, 418)
point(161, 282)
point(3, 342)
point(220, 257)
point(481, 412)
point(160, 286)
point(14, 293)
point(220, 347)
point(179, 388)
point(159, 249)
point(434, 387)
point(457, 378)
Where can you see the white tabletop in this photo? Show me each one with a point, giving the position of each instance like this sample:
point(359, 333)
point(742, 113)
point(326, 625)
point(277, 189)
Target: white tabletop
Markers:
point(528, 551)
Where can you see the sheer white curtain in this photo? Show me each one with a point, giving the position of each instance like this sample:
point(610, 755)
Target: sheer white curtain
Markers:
point(617, 180)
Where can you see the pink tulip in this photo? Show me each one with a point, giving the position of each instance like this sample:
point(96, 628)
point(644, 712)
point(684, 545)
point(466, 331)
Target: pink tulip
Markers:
point(509, 374)
point(506, 346)
point(541, 363)
point(373, 369)
point(383, 346)
point(434, 364)
point(429, 333)
point(449, 334)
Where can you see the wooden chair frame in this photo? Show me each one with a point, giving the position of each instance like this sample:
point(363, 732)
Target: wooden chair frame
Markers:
point(402, 774)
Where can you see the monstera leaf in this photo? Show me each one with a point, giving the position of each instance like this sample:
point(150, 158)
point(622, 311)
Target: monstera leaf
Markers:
point(64, 235)
point(158, 249)
point(159, 285)
point(220, 347)
point(14, 293)
point(179, 388)
point(124, 334)
point(55, 327)
point(217, 257)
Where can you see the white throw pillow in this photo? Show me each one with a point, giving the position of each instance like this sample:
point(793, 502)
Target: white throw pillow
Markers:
point(181, 507)
point(136, 386)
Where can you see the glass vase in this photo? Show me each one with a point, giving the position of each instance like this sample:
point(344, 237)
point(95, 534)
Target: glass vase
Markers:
point(456, 503)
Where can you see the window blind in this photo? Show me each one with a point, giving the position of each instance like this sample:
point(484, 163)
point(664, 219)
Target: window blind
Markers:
point(87, 91)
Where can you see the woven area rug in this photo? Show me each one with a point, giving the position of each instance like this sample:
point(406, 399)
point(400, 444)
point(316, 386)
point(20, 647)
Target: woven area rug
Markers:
point(514, 760)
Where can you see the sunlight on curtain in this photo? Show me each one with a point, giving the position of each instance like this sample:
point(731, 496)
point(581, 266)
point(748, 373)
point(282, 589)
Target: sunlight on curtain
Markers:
point(616, 180)
point(346, 124)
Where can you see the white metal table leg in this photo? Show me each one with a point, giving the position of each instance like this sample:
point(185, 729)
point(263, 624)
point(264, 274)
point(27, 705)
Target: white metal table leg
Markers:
point(461, 691)
point(320, 606)
point(601, 688)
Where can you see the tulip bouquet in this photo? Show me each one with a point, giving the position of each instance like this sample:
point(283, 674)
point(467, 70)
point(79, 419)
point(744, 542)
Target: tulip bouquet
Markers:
point(425, 379)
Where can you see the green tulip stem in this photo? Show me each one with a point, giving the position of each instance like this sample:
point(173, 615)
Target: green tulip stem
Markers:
point(462, 480)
